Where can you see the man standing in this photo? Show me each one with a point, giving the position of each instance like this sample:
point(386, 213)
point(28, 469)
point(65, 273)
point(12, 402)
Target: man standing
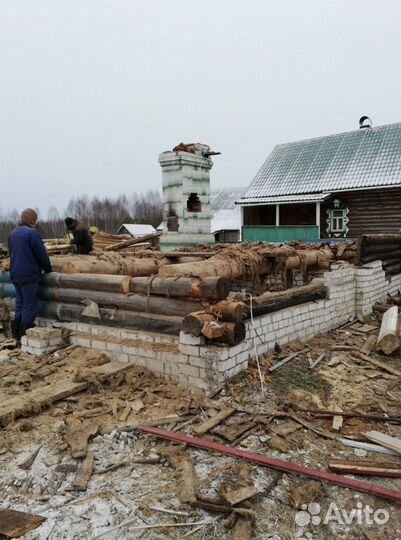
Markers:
point(82, 238)
point(28, 257)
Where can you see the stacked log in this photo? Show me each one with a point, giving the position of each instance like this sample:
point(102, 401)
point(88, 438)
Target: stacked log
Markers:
point(220, 323)
point(384, 247)
point(117, 265)
point(223, 322)
point(122, 300)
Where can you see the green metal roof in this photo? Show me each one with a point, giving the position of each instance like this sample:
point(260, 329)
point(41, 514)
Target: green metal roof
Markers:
point(365, 158)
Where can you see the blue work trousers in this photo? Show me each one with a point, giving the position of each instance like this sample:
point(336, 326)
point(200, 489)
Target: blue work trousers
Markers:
point(26, 302)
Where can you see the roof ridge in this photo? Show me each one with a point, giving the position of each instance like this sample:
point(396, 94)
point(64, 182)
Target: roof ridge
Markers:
point(359, 130)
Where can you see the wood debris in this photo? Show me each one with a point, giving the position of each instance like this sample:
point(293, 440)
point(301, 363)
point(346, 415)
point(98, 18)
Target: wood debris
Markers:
point(84, 474)
point(14, 524)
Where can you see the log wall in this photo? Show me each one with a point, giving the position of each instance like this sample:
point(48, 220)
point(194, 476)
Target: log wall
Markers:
point(371, 211)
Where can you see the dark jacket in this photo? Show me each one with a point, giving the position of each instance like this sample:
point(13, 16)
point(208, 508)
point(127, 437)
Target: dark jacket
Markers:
point(28, 255)
point(82, 237)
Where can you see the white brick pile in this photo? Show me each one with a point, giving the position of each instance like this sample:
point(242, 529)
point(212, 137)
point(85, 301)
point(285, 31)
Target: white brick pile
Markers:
point(38, 341)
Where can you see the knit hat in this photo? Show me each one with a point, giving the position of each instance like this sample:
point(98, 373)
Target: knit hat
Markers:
point(29, 217)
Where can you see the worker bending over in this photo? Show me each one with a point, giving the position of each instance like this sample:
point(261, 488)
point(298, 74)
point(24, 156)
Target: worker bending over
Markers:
point(29, 258)
point(82, 238)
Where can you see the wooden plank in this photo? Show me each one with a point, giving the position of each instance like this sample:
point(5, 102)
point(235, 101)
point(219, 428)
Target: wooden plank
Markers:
point(367, 446)
point(214, 421)
point(392, 443)
point(365, 468)
point(337, 420)
point(277, 464)
point(14, 524)
point(235, 496)
point(286, 360)
point(84, 474)
point(28, 403)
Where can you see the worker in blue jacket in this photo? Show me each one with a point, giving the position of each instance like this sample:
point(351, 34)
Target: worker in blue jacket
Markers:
point(29, 258)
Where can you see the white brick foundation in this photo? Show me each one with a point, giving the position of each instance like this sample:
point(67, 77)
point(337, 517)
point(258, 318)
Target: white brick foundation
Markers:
point(191, 361)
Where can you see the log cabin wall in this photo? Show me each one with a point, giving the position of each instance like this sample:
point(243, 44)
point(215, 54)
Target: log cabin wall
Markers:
point(371, 211)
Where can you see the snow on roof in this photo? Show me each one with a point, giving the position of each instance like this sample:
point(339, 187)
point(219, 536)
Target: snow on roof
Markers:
point(137, 229)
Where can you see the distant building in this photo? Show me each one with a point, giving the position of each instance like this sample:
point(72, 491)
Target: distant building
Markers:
point(226, 215)
point(136, 230)
point(338, 186)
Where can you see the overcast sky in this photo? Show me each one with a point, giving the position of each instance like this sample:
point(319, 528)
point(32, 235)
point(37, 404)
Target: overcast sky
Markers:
point(91, 91)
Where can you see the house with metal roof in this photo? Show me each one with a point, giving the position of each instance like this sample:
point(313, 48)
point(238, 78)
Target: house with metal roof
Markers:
point(226, 215)
point(339, 186)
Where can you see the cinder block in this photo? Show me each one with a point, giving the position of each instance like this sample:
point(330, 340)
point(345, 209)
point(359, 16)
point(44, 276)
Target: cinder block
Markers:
point(98, 344)
point(38, 343)
point(113, 347)
point(191, 350)
point(189, 339)
point(187, 369)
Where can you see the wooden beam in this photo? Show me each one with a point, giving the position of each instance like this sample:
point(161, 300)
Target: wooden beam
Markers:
point(366, 468)
point(277, 464)
point(133, 241)
point(214, 421)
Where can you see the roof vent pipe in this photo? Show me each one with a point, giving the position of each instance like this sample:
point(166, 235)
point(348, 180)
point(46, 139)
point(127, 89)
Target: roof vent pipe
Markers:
point(365, 122)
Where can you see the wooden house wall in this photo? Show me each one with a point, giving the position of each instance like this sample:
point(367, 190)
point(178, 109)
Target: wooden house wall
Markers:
point(370, 211)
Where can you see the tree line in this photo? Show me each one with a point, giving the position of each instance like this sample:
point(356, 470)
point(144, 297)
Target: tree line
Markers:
point(106, 214)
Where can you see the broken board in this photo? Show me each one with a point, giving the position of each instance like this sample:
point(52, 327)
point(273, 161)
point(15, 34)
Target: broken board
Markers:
point(42, 397)
point(14, 524)
point(392, 443)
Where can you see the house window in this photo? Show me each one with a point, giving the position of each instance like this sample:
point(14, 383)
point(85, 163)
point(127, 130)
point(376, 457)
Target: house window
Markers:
point(337, 219)
point(194, 203)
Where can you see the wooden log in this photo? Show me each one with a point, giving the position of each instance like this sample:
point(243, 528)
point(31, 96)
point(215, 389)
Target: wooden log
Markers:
point(274, 301)
point(381, 238)
point(179, 254)
point(214, 421)
point(118, 266)
point(229, 310)
point(233, 333)
point(193, 323)
point(229, 269)
point(228, 332)
point(393, 255)
point(389, 339)
point(132, 241)
point(165, 324)
point(374, 249)
point(365, 468)
point(309, 259)
point(212, 288)
point(93, 282)
point(133, 302)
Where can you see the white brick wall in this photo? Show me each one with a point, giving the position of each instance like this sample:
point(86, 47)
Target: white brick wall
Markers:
point(191, 361)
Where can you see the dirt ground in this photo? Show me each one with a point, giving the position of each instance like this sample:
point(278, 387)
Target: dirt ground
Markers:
point(164, 490)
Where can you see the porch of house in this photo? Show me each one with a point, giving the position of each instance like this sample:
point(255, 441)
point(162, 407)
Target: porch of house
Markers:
point(281, 222)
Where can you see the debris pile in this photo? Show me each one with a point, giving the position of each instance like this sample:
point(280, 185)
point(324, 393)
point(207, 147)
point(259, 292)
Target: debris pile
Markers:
point(87, 445)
